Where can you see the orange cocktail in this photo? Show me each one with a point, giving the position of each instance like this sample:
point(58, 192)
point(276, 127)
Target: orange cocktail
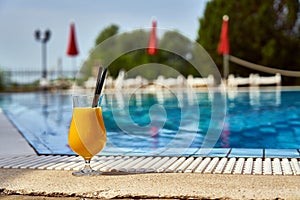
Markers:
point(87, 135)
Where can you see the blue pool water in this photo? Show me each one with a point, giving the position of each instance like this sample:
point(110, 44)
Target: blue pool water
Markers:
point(250, 119)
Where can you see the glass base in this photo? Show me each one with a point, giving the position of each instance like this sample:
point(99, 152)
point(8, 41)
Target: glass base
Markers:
point(84, 172)
point(87, 170)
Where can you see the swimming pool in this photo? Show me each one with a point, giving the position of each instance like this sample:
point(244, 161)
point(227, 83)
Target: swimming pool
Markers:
point(255, 119)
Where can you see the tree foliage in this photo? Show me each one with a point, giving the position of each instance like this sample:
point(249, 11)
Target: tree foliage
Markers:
point(134, 56)
point(263, 32)
point(107, 33)
point(2, 80)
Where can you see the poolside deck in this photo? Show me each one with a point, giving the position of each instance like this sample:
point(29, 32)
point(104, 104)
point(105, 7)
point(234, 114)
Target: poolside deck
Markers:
point(235, 176)
point(12, 143)
point(150, 186)
point(111, 165)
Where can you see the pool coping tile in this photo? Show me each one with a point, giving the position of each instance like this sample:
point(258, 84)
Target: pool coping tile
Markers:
point(177, 152)
point(214, 152)
point(246, 153)
point(145, 152)
point(111, 151)
point(282, 153)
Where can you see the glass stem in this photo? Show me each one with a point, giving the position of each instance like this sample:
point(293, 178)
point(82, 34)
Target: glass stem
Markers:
point(87, 166)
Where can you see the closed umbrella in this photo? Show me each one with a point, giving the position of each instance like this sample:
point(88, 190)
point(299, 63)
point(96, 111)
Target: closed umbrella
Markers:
point(223, 46)
point(152, 45)
point(72, 49)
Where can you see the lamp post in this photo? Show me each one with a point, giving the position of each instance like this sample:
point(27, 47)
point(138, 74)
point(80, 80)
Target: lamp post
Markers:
point(43, 38)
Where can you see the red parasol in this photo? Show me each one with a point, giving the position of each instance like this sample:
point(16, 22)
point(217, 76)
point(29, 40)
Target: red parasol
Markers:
point(223, 47)
point(72, 46)
point(153, 40)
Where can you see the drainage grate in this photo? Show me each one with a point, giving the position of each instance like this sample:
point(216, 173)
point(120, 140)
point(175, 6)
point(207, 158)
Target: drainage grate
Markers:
point(146, 164)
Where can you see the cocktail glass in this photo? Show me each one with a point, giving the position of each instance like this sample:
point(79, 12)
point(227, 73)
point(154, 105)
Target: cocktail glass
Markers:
point(87, 134)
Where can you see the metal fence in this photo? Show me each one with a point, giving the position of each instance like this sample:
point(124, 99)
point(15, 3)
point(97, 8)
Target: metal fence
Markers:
point(30, 76)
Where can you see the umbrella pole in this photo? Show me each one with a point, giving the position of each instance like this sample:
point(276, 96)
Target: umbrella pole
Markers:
point(74, 67)
point(225, 66)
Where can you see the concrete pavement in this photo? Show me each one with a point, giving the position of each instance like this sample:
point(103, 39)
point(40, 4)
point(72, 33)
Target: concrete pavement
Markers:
point(11, 141)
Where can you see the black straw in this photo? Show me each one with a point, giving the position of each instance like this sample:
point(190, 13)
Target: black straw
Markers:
point(97, 89)
point(102, 81)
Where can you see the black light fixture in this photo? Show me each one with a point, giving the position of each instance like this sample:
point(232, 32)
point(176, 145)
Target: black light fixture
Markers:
point(43, 37)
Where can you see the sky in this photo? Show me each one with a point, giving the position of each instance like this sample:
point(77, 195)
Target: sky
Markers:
point(20, 18)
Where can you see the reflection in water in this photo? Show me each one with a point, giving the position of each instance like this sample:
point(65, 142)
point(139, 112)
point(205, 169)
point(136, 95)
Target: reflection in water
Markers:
point(44, 103)
point(59, 114)
point(257, 97)
point(254, 97)
point(120, 100)
point(232, 93)
point(160, 96)
point(155, 134)
point(255, 119)
point(165, 117)
point(257, 116)
point(43, 118)
point(138, 98)
point(179, 95)
point(272, 98)
point(225, 143)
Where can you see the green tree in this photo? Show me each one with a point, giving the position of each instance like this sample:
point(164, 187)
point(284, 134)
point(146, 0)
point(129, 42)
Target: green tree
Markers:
point(132, 41)
point(124, 52)
point(94, 58)
point(107, 33)
point(264, 32)
point(116, 47)
point(174, 40)
point(171, 40)
point(2, 81)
